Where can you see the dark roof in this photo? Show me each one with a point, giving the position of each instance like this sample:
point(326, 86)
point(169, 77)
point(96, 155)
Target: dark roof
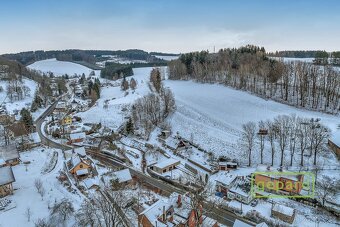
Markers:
point(18, 129)
point(6, 175)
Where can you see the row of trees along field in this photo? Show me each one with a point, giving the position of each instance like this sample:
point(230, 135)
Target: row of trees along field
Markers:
point(287, 136)
point(248, 68)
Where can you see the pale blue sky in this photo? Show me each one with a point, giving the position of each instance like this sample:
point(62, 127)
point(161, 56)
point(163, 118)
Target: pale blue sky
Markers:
point(168, 25)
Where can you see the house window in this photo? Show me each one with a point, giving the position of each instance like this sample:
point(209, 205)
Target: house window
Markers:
point(164, 170)
point(81, 166)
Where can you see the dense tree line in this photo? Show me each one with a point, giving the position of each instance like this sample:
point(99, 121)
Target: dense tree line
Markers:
point(89, 56)
point(114, 71)
point(247, 68)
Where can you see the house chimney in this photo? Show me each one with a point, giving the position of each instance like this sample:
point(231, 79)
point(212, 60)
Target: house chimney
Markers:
point(179, 201)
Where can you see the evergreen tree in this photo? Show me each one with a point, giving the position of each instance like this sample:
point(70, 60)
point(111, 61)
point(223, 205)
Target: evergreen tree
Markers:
point(125, 84)
point(133, 84)
point(27, 119)
point(129, 127)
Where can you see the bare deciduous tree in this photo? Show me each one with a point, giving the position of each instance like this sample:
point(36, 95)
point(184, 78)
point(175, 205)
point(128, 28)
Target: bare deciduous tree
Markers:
point(248, 135)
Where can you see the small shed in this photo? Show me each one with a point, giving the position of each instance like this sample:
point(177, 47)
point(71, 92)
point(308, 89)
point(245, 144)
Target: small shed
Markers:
point(227, 166)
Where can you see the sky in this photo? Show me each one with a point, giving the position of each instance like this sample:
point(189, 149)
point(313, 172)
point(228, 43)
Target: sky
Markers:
point(173, 26)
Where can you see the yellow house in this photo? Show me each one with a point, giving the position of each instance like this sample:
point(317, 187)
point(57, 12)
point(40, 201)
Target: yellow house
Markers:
point(66, 120)
point(78, 166)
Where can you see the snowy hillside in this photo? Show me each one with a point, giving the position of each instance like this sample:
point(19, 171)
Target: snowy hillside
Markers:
point(59, 68)
point(17, 104)
point(215, 114)
point(113, 116)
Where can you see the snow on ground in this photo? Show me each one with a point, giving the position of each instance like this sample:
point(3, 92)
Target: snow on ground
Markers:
point(167, 58)
point(59, 68)
point(17, 105)
point(214, 114)
point(113, 116)
point(308, 60)
point(25, 194)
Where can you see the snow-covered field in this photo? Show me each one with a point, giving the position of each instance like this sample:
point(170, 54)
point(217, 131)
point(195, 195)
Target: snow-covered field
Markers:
point(167, 58)
point(25, 194)
point(59, 68)
point(214, 114)
point(17, 105)
point(113, 116)
point(309, 60)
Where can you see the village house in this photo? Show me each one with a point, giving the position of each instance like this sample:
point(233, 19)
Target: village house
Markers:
point(91, 183)
point(175, 211)
point(60, 109)
point(283, 213)
point(121, 179)
point(77, 138)
point(6, 180)
point(334, 143)
point(80, 151)
point(224, 183)
point(79, 167)
point(176, 144)
point(241, 190)
point(67, 120)
point(224, 166)
point(78, 90)
point(282, 183)
point(9, 154)
point(165, 166)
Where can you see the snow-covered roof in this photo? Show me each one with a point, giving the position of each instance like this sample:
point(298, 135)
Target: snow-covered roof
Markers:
point(123, 175)
point(336, 138)
point(155, 210)
point(227, 163)
point(34, 137)
point(6, 175)
point(266, 170)
point(166, 163)
point(89, 182)
point(283, 209)
point(226, 179)
point(75, 160)
point(80, 135)
point(2, 162)
point(262, 224)
point(81, 151)
point(239, 223)
point(9, 152)
point(82, 172)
